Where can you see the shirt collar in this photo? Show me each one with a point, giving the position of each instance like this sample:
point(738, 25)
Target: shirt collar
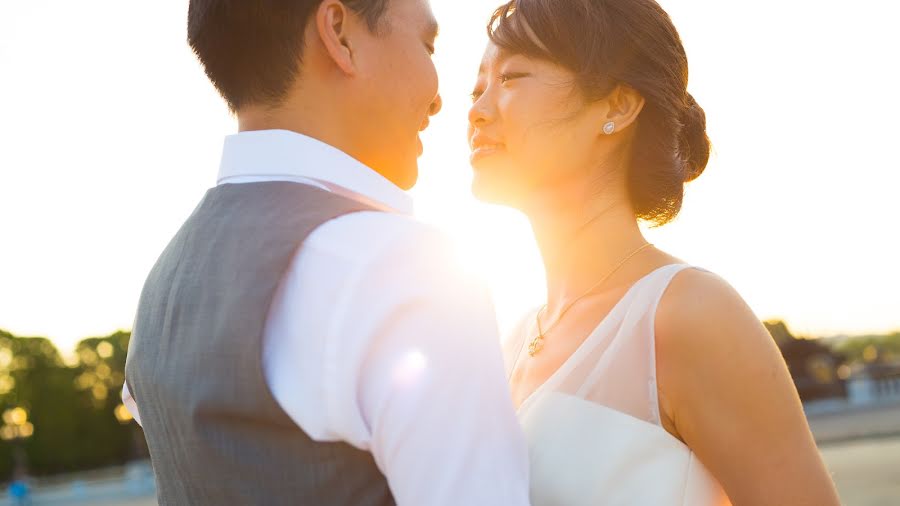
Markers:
point(282, 155)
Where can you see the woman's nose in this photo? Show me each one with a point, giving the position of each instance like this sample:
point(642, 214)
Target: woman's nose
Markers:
point(477, 114)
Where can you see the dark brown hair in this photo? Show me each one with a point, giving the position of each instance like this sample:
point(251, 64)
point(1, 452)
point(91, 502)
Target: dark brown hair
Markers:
point(251, 50)
point(629, 42)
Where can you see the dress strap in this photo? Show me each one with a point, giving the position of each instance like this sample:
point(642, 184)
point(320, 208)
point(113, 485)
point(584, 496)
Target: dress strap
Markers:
point(618, 367)
point(661, 285)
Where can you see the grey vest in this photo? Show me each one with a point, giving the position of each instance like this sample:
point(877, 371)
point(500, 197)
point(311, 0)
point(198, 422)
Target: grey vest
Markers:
point(216, 435)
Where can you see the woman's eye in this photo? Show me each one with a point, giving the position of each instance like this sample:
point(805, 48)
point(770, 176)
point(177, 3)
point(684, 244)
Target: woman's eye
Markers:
point(430, 48)
point(476, 95)
point(506, 77)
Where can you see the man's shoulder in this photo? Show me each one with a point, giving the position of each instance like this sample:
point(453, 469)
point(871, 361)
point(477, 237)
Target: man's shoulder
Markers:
point(388, 258)
point(369, 237)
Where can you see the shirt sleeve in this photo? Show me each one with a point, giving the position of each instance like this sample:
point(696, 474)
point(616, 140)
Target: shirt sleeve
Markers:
point(130, 405)
point(427, 387)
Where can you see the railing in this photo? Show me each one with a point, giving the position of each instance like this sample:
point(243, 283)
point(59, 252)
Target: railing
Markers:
point(132, 482)
point(874, 387)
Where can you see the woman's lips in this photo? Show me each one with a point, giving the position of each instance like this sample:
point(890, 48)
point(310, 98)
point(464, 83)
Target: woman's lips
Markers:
point(484, 145)
point(483, 150)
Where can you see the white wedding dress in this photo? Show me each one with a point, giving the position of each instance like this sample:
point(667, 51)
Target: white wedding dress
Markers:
point(593, 428)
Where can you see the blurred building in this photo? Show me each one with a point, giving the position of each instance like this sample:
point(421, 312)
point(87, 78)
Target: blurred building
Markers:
point(819, 372)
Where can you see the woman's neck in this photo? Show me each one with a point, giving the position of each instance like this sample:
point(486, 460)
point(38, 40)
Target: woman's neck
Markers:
point(580, 244)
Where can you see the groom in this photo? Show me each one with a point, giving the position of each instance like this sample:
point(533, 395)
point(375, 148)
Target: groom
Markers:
point(302, 340)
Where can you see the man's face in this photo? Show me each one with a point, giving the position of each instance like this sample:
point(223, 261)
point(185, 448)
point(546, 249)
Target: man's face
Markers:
point(398, 90)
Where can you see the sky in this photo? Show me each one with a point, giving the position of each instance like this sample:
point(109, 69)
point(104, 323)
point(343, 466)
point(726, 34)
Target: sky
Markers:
point(110, 133)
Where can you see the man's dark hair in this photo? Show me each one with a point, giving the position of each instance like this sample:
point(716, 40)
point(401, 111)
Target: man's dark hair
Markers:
point(252, 49)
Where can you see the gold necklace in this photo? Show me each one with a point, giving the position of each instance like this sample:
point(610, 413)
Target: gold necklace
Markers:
point(537, 344)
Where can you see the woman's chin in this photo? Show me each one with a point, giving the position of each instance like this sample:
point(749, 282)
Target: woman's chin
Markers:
point(492, 190)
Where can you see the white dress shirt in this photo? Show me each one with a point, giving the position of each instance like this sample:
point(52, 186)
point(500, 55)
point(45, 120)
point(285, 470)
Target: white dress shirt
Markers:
point(376, 337)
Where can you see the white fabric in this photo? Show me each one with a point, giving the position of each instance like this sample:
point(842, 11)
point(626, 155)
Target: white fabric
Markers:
point(593, 428)
point(377, 338)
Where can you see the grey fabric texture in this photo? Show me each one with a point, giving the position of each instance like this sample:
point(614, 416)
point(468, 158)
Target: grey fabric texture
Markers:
point(216, 434)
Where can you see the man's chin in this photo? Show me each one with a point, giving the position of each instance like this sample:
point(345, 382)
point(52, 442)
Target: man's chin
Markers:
point(403, 171)
point(409, 181)
point(406, 175)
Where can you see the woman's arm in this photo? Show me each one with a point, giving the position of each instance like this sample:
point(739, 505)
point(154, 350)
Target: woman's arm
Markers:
point(726, 389)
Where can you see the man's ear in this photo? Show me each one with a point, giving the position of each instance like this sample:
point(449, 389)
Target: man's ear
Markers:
point(625, 104)
point(334, 24)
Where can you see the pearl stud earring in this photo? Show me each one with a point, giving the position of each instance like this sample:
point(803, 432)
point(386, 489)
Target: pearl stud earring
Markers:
point(609, 128)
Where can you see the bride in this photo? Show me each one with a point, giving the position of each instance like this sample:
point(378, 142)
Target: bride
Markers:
point(643, 380)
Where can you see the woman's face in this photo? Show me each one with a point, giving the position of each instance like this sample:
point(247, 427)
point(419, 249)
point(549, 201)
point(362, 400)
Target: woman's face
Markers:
point(531, 132)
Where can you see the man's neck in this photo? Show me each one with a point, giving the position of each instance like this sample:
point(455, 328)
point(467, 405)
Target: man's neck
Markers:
point(324, 121)
point(298, 118)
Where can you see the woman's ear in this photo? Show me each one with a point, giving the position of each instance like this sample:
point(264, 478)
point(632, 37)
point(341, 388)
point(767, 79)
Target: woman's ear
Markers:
point(334, 25)
point(625, 104)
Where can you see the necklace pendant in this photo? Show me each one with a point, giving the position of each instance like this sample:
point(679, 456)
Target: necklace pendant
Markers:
point(536, 346)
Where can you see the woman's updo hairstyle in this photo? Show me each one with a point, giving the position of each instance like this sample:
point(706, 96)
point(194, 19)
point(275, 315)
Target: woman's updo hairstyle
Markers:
point(632, 42)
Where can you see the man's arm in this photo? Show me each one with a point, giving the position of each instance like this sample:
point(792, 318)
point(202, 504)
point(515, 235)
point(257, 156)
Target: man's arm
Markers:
point(429, 386)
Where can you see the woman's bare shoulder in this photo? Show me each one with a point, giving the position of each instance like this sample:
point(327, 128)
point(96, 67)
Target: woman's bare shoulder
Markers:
point(698, 306)
point(710, 345)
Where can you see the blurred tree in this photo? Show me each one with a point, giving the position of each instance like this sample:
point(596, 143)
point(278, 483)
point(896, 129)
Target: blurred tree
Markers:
point(34, 378)
point(72, 409)
point(871, 349)
point(99, 380)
